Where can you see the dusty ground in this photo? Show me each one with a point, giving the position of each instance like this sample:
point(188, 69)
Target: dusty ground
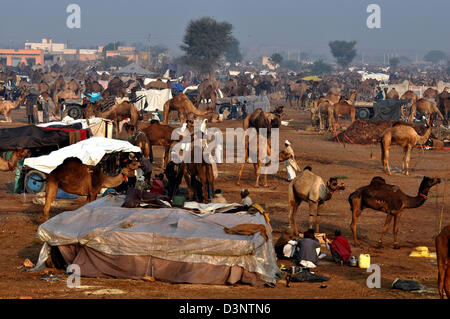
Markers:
point(19, 220)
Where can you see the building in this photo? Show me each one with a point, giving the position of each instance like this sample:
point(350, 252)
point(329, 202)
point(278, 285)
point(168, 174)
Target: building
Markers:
point(12, 57)
point(125, 51)
point(46, 45)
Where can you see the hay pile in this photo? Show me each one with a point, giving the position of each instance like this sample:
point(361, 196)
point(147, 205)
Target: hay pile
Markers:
point(365, 132)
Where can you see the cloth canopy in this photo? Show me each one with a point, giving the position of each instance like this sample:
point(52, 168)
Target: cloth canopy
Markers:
point(170, 244)
point(155, 99)
point(89, 151)
point(31, 136)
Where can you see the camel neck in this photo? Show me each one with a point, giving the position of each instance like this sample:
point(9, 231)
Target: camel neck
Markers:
point(418, 200)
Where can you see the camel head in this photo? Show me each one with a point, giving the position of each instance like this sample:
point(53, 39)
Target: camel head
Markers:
point(333, 185)
point(427, 183)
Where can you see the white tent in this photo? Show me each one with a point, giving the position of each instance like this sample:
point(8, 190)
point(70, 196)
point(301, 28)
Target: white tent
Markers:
point(155, 99)
point(89, 151)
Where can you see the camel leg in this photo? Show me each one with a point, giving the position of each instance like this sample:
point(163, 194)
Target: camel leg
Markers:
point(50, 195)
point(385, 228)
point(386, 167)
point(293, 207)
point(443, 263)
point(407, 158)
point(405, 150)
point(258, 174)
point(312, 211)
point(240, 174)
point(395, 231)
point(356, 212)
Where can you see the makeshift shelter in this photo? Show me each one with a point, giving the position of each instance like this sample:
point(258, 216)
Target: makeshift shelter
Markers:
point(134, 68)
point(31, 136)
point(89, 151)
point(168, 244)
point(153, 99)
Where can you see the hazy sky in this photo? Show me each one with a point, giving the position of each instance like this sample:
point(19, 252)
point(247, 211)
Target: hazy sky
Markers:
point(406, 25)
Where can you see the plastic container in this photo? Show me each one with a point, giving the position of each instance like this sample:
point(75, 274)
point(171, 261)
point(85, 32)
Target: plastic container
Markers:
point(364, 261)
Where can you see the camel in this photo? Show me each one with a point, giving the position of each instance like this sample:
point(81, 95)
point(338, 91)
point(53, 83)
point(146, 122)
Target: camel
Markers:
point(183, 106)
point(282, 156)
point(405, 136)
point(392, 94)
point(412, 97)
point(207, 91)
point(74, 86)
point(388, 199)
point(426, 107)
point(16, 156)
point(343, 107)
point(430, 93)
point(157, 135)
point(120, 112)
point(260, 119)
point(319, 109)
point(310, 188)
point(7, 106)
point(442, 242)
point(74, 177)
point(295, 91)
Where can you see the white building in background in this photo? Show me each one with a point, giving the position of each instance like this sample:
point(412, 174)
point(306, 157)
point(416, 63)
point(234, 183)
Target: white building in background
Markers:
point(47, 45)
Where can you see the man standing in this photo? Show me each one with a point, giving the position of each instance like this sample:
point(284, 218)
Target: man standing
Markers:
point(291, 163)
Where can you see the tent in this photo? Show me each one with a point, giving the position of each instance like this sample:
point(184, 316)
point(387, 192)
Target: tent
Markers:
point(134, 68)
point(154, 99)
point(31, 136)
point(168, 244)
point(89, 151)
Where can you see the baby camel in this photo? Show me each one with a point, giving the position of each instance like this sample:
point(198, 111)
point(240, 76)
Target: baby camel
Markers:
point(310, 188)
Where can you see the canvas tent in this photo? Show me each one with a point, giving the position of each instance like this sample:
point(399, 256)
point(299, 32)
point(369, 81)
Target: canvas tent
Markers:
point(169, 244)
point(154, 99)
point(90, 152)
point(134, 68)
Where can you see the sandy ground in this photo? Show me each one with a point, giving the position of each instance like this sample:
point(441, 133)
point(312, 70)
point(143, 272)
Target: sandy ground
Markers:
point(20, 218)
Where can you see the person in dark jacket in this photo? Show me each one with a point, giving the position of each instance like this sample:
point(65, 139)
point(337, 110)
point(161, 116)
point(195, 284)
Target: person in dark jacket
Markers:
point(309, 248)
point(30, 102)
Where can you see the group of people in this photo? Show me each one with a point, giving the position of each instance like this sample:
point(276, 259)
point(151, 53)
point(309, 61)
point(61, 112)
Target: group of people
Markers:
point(306, 252)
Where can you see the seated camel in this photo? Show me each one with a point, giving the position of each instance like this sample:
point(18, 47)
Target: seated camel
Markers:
point(310, 188)
point(442, 242)
point(16, 156)
point(74, 177)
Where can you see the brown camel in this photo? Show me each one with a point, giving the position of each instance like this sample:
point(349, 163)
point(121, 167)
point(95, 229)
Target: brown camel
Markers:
point(7, 106)
point(426, 107)
point(310, 188)
point(260, 119)
point(74, 177)
point(430, 93)
point(16, 156)
point(74, 86)
point(183, 106)
point(120, 112)
point(320, 109)
point(343, 107)
point(388, 199)
point(158, 135)
point(412, 97)
point(392, 94)
point(442, 243)
point(405, 136)
point(207, 91)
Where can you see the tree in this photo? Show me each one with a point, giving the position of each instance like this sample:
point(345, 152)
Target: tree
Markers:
point(435, 56)
point(233, 53)
point(205, 42)
point(112, 46)
point(276, 58)
point(393, 63)
point(344, 52)
point(320, 67)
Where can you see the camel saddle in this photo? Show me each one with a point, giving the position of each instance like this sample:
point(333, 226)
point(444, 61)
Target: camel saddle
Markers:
point(136, 197)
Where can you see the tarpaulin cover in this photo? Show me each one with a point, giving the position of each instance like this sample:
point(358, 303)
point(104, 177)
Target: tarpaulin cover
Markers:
point(155, 99)
point(387, 110)
point(89, 151)
point(170, 234)
point(31, 136)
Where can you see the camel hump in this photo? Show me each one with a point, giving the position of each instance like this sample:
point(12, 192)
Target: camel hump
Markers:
point(72, 160)
point(377, 180)
point(309, 168)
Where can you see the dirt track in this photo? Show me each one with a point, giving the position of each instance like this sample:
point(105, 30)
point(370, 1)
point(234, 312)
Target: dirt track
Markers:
point(19, 220)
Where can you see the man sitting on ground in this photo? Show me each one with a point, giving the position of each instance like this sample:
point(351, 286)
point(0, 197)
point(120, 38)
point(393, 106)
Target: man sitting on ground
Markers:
point(308, 250)
point(340, 248)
